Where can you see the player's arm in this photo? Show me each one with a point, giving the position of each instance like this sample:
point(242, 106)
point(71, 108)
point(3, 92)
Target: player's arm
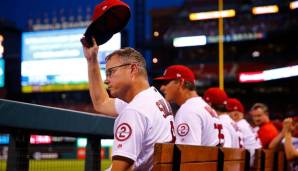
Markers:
point(276, 141)
point(100, 98)
point(120, 163)
point(291, 152)
point(128, 141)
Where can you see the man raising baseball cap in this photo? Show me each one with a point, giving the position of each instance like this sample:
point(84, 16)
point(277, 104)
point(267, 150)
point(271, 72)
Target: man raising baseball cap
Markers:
point(139, 124)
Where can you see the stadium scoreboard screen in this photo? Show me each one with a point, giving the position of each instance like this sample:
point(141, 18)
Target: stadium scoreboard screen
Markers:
point(54, 61)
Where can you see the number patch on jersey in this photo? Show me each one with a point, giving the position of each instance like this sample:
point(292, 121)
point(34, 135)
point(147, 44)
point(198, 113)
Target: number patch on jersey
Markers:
point(123, 132)
point(183, 129)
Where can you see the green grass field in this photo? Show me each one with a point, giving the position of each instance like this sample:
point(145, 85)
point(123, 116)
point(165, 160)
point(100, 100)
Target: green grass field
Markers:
point(57, 165)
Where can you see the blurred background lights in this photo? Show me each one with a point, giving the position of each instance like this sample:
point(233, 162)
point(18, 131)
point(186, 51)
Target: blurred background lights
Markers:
point(256, 54)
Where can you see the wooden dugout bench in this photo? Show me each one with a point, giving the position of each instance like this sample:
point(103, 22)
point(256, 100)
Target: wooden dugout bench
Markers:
point(173, 157)
point(269, 160)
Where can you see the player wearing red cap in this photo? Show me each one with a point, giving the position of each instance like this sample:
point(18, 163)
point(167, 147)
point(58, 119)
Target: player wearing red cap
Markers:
point(217, 98)
point(236, 109)
point(196, 122)
point(250, 139)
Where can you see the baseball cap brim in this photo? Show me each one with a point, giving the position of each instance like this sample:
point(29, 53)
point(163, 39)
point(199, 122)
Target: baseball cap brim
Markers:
point(105, 26)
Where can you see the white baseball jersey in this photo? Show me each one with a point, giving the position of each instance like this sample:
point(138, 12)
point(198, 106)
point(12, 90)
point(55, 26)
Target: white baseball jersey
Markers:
point(233, 138)
point(255, 130)
point(146, 120)
point(250, 139)
point(120, 105)
point(195, 123)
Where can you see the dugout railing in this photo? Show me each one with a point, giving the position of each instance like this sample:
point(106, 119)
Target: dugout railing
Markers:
point(21, 120)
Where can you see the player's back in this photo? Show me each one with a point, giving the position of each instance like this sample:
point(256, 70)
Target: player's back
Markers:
point(250, 139)
point(195, 123)
point(158, 123)
point(230, 131)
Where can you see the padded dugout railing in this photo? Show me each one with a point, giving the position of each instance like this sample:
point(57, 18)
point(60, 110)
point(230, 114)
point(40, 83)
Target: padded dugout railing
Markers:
point(21, 120)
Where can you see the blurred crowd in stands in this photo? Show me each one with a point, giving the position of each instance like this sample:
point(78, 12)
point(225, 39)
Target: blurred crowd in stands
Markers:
point(245, 23)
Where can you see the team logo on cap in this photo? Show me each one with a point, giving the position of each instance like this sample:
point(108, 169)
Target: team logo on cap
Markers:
point(165, 72)
point(178, 75)
point(123, 132)
point(104, 7)
point(183, 129)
